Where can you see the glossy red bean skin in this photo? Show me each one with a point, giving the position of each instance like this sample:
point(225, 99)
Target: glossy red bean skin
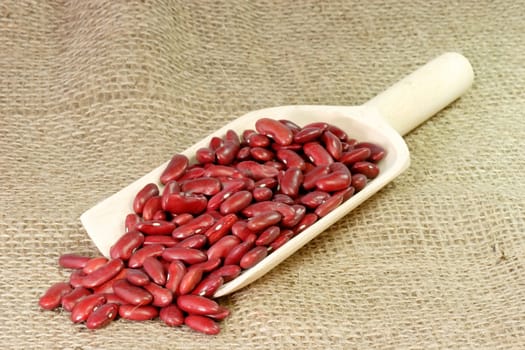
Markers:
point(148, 191)
point(188, 255)
point(236, 202)
point(137, 277)
point(159, 215)
point(103, 273)
point(182, 219)
point(197, 241)
point(317, 154)
point(179, 203)
point(107, 287)
point(268, 236)
point(355, 155)
point(258, 140)
point(205, 155)
point(161, 296)
point(196, 226)
point(197, 305)
point(85, 306)
point(346, 193)
point(253, 257)
point(241, 230)
point(76, 277)
point(126, 245)
point(137, 313)
point(261, 154)
point(227, 153)
point(131, 222)
point(261, 221)
point(153, 205)
point(329, 205)
point(52, 298)
point(111, 298)
point(175, 168)
point(190, 280)
point(256, 171)
point(94, 263)
point(221, 315)
point(155, 270)
point(166, 241)
point(359, 181)
point(203, 185)
point(171, 315)
point(220, 228)
point(376, 152)
point(228, 272)
point(291, 159)
point(222, 247)
point(260, 194)
point(308, 134)
point(202, 324)
point(73, 261)
point(314, 199)
point(291, 181)
point(370, 170)
point(283, 237)
point(283, 198)
point(69, 300)
point(311, 177)
point(208, 286)
point(102, 316)
point(131, 294)
point(137, 258)
point(263, 207)
point(332, 144)
point(176, 272)
point(236, 253)
point(215, 142)
point(291, 125)
point(308, 220)
point(335, 181)
point(156, 227)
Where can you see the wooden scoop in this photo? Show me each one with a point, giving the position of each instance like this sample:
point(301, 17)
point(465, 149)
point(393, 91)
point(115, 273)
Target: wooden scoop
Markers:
point(381, 120)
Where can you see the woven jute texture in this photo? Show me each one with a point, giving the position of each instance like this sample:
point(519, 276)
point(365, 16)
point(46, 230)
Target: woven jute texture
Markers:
point(94, 94)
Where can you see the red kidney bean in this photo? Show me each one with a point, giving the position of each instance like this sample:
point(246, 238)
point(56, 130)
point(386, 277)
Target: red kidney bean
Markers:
point(220, 228)
point(261, 221)
point(311, 177)
point(256, 171)
point(197, 305)
point(260, 194)
point(171, 315)
point(227, 272)
point(329, 205)
point(160, 215)
point(227, 153)
point(69, 300)
point(346, 193)
point(222, 247)
point(126, 244)
point(215, 142)
point(188, 255)
point(190, 280)
point(308, 220)
point(214, 170)
point(113, 299)
point(236, 253)
point(262, 207)
point(245, 134)
point(53, 296)
point(317, 154)
point(138, 313)
point(76, 277)
point(208, 286)
point(176, 272)
point(333, 182)
point(107, 287)
point(197, 241)
point(291, 159)
point(179, 203)
point(308, 134)
point(202, 324)
point(161, 296)
point(103, 273)
point(156, 227)
point(291, 181)
point(283, 198)
point(332, 144)
point(261, 154)
point(153, 205)
point(355, 155)
point(167, 241)
point(359, 181)
point(292, 147)
point(236, 202)
point(241, 230)
point(171, 187)
point(269, 182)
point(232, 136)
point(253, 257)
point(205, 155)
point(175, 168)
point(85, 306)
point(131, 222)
point(182, 219)
point(376, 152)
point(94, 263)
point(221, 315)
point(202, 185)
point(370, 170)
point(339, 167)
point(300, 212)
point(131, 294)
point(275, 164)
point(137, 258)
point(283, 237)
point(291, 125)
point(314, 199)
point(195, 172)
point(321, 125)
point(102, 316)
point(341, 135)
point(137, 277)
point(208, 265)
point(153, 267)
point(196, 226)
point(257, 140)
point(148, 191)
point(244, 153)
point(73, 261)
point(268, 235)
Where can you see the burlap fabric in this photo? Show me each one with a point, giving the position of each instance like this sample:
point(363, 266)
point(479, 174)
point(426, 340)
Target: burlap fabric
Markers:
point(94, 94)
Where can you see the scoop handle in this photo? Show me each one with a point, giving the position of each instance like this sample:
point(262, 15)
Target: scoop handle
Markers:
point(423, 93)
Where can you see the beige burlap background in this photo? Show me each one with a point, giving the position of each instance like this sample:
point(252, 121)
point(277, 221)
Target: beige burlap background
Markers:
point(94, 94)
